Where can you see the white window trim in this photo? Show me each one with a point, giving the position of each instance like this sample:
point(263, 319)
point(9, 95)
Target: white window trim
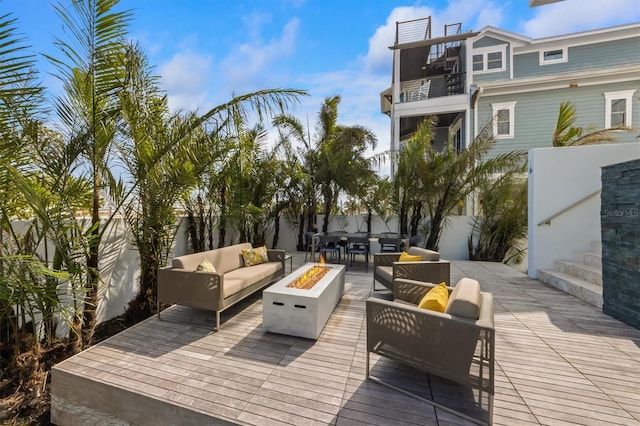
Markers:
point(511, 107)
point(621, 94)
point(565, 56)
point(484, 51)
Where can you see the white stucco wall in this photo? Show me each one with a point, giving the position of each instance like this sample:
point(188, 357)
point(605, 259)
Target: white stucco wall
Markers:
point(119, 258)
point(453, 242)
point(559, 177)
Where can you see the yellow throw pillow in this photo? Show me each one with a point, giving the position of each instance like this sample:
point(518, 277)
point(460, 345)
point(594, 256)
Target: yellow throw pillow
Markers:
point(436, 299)
point(406, 257)
point(206, 266)
point(255, 256)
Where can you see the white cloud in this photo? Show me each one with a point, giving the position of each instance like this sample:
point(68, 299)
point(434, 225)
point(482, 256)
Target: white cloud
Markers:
point(250, 64)
point(580, 15)
point(379, 56)
point(473, 14)
point(185, 78)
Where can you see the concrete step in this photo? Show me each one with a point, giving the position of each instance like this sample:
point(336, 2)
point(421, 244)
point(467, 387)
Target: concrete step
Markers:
point(589, 258)
point(584, 290)
point(596, 246)
point(593, 274)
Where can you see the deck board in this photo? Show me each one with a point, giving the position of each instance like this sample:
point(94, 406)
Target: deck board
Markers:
point(558, 361)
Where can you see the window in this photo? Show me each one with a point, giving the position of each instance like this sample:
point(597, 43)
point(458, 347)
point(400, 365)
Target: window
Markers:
point(490, 59)
point(617, 109)
point(478, 62)
point(494, 60)
point(553, 56)
point(503, 120)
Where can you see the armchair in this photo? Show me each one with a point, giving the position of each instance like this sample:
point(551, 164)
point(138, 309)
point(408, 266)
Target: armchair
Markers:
point(458, 344)
point(386, 268)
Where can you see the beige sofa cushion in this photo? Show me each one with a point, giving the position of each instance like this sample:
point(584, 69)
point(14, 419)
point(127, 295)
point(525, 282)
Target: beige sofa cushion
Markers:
point(465, 299)
point(229, 258)
point(224, 259)
point(189, 262)
point(424, 253)
point(240, 278)
point(385, 272)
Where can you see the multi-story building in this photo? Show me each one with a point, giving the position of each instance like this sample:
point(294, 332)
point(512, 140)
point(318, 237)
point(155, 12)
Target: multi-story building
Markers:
point(510, 82)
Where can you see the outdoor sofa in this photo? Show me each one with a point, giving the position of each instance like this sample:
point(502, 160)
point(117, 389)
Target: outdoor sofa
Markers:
point(457, 344)
point(386, 268)
point(182, 284)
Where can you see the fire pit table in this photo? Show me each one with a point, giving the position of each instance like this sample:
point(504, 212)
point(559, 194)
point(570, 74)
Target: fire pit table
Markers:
point(301, 303)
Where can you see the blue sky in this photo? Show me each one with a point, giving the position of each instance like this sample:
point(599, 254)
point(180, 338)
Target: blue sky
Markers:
point(206, 50)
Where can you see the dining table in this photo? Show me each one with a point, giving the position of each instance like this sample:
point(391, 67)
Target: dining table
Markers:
point(372, 236)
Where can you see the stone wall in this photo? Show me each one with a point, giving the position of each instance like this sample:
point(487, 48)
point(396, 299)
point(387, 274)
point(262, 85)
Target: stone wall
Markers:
point(620, 227)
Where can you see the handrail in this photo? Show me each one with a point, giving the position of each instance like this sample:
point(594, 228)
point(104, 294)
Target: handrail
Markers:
point(548, 220)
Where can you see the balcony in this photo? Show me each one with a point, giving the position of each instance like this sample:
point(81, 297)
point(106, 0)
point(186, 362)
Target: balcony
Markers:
point(432, 87)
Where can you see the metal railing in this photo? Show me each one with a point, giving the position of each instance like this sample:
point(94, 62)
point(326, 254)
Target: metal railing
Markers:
point(441, 85)
point(413, 30)
point(548, 220)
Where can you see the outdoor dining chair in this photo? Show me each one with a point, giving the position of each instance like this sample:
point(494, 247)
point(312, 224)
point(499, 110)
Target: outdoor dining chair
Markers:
point(308, 246)
point(390, 244)
point(329, 244)
point(358, 246)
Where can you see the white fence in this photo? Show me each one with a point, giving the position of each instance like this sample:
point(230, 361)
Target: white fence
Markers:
point(119, 258)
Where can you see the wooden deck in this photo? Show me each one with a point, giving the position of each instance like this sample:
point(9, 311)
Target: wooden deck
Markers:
point(559, 361)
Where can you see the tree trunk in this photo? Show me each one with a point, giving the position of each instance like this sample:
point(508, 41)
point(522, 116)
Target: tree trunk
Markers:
point(416, 216)
point(435, 227)
point(326, 209)
point(301, 234)
point(369, 219)
point(91, 295)
point(276, 230)
point(210, 228)
point(222, 231)
point(201, 225)
point(193, 231)
point(403, 218)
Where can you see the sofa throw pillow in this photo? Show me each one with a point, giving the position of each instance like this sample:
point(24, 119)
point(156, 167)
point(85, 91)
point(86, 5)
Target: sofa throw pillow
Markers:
point(206, 266)
point(436, 299)
point(406, 257)
point(255, 256)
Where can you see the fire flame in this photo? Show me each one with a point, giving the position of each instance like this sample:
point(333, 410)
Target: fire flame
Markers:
point(321, 260)
point(311, 276)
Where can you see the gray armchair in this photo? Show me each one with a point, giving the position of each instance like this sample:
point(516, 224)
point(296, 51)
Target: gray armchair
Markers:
point(458, 344)
point(431, 268)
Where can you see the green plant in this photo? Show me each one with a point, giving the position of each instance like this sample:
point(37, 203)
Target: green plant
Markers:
point(91, 68)
point(334, 159)
point(502, 223)
point(433, 182)
point(567, 134)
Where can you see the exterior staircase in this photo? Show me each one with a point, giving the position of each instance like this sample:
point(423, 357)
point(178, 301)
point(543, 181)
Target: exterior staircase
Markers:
point(581, 277)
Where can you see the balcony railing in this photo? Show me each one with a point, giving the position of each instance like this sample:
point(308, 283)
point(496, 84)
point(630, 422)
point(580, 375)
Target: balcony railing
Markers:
point(432, 87)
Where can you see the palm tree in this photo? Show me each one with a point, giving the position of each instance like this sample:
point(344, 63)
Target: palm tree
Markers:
point(341, 161)
point(408, 192)
point(445, 178)
point(92, 71)
point(301, 162)
point(336, 159)
point(165, 154)
point(567, 134)
point(502, 222)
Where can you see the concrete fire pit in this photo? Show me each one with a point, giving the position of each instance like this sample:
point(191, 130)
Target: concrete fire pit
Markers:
point(302, 312)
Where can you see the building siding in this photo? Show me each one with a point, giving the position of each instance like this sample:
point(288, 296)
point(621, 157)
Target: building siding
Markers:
point(494, 76)
point(536, 114)
point(487, 41)
point(581, 58)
